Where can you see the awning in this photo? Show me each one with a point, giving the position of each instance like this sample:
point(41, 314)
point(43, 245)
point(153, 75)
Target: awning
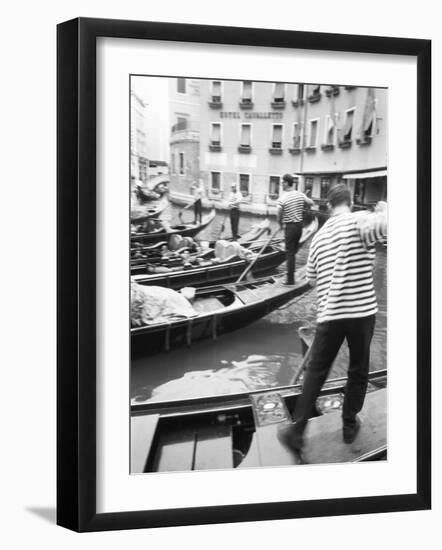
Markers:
point(360, 175)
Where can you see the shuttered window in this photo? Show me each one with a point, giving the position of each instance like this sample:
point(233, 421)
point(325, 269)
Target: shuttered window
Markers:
point(277, 136)
point(245, 135)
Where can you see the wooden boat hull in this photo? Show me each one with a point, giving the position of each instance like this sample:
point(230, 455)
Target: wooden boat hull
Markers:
point(214, 274)
point(185, 230)
point(250, 302)
point(240, 431)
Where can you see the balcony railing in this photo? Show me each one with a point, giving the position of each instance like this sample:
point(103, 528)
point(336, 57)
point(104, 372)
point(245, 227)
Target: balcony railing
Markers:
point(278, 103)
point(276, 148)
point(215, 102)
point(332, 91)
point(245, 103)
point(327, 146)
point(298, 102)
point(215, 146)
point(244, 149)
point(314, 98)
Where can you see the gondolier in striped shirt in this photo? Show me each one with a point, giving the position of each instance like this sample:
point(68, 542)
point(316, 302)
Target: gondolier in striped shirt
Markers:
point(340, 265)
point(290, 212)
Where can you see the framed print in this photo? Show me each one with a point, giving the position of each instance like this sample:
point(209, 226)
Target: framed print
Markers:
point(242, 335)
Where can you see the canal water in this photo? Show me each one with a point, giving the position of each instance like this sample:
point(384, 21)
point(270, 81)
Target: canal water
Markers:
point(265, 354)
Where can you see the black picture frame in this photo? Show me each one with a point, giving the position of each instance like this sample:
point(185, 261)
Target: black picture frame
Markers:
point(76, 273)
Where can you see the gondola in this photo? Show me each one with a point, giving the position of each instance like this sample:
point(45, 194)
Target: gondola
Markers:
point(210, 270)
point(218, 309)
point(163, 234)
point(240, 430)
point(207, 269)
point(141, 214)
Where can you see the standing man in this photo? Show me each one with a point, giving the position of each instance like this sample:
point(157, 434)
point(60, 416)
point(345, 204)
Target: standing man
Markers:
point(290, 212)
point(235, 199)
point(340, 263)
point(198, 193)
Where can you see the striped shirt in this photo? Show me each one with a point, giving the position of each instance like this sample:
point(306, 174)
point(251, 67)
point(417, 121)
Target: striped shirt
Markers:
point(292, 205)
point(341, 261)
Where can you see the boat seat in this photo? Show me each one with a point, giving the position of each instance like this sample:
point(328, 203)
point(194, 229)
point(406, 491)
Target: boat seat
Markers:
point(194, 448)
point(213, 450)
point(142, 430)
point(207, 304)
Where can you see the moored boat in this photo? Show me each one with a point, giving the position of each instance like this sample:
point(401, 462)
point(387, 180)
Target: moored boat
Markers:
point(141, 214)
point(163, 233)
point(217, 309)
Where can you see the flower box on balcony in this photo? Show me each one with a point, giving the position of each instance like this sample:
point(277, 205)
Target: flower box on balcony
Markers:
point(366, 140)
point(245, 104)
point(346, 144)
point(278, 104)
point(298, 102)
point(273, 196)
point(327, 147)
point(295, 151)
point(275, 150)
point(310, 149)
point(244, 149)
point(215, 147)
point(314, 98)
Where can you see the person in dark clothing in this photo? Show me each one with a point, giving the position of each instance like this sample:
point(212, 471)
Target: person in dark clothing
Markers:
point(233, 203)
point(290, 213)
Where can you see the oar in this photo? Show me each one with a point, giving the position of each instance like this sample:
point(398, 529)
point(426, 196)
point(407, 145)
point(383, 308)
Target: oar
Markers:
point(301, 368)
point(264, 246)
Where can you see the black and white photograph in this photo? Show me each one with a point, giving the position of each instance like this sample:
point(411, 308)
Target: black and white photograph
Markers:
point(258, 273)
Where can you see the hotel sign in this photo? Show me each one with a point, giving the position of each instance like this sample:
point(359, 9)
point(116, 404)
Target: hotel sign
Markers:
point(250, 115)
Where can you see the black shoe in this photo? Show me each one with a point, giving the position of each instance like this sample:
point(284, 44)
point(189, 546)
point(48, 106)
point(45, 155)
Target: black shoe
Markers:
point(289, 283)
point(350, 432)
point(289, 437)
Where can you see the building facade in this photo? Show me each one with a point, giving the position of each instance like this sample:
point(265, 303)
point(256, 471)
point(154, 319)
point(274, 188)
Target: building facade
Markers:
point(139, 163)
point(252, 133)
point(184, 116)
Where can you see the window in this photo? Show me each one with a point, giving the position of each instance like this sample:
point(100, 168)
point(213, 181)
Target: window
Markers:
point(246, 130)
point(246, 92)
point(215, 182)
point(181, 163)
point(325, 186)
point(313, 133)
point(216, 91)
point(244, 184)
point(215, 138)
point(278, 94)
point(329, 137)
point(348, 127)
point(274, 182)
point(308, 186)
point(277, 136)
point(181, 85)
point(297, 133)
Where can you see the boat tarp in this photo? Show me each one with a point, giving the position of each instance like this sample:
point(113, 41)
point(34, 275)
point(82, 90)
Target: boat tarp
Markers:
point(155, 304)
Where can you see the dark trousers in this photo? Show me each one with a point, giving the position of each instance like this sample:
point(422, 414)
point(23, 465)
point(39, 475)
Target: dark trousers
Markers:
point(198, 210)
point(327, 341)
point(234, 222)
point(293, 232)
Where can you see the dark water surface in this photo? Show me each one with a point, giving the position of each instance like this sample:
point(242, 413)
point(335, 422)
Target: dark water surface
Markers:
point(265, 354)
